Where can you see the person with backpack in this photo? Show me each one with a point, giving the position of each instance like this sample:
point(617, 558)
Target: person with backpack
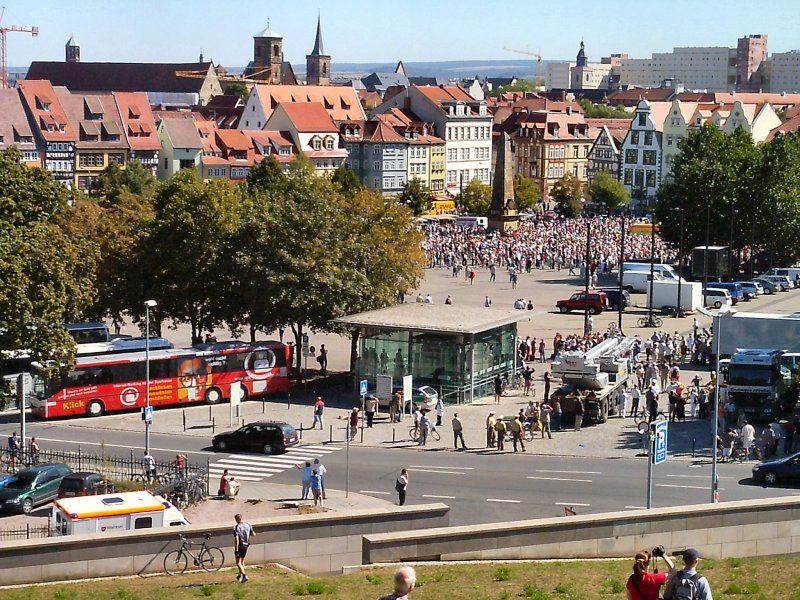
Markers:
point(688, 584)
point(643, 585)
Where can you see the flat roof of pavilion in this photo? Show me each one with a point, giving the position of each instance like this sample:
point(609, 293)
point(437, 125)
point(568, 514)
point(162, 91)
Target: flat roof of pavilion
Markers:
point(444, 318)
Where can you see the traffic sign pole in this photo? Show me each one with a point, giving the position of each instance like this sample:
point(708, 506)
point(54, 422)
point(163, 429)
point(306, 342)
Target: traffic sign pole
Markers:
point(657, 437)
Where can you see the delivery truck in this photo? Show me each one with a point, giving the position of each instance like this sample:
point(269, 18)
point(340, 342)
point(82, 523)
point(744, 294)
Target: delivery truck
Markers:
point(113, 513)
point(757, 330)
point(665, 296)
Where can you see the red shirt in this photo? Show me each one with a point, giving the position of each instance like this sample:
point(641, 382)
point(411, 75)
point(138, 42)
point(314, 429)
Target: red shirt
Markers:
point(647, 587)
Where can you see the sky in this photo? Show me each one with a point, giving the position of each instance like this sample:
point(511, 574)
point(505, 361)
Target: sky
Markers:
point(412, 30)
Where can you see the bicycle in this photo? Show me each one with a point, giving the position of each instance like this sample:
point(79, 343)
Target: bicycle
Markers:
point(654, 322)
point(413, 434)
point(527, 433)
point(740, 453)
point(209, 558)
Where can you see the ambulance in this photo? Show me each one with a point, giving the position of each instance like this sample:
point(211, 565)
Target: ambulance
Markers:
point(113, 513)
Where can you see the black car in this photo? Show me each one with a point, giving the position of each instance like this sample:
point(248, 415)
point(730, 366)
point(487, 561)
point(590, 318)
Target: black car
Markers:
point(32, 487)
point(269, 437)
point(613, 295)
point(84, 483)
point(782, 469)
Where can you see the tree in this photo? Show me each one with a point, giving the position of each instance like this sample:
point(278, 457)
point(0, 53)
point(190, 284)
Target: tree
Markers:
point(567, 193)
point(346, 181)
point(526, 192)
point(476, 198)
point(267, 175)
point(135, 178)
point(178, 256)
point(607, 190)
point(415, 196)
point(522, 85)
point(46, 275)
point(236, 88)
point(603, 111)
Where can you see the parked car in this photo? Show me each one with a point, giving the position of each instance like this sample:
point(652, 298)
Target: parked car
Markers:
point(782, 283)
point(578, 301)
point(615, 298)
point(84, 483)
point(4, 479)
point(751, 289)
point(32, 487)
point(269, 437)
point(781, 469)
point(716, 297)
point(770, 287)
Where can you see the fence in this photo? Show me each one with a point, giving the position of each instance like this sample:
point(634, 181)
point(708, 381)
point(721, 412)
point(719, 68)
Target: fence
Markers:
point(25, 533)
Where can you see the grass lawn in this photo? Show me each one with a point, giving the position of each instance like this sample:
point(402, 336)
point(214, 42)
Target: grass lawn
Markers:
point(756, 579)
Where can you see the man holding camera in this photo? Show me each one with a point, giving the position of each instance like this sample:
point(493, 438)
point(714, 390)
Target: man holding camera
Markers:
point(687, 583)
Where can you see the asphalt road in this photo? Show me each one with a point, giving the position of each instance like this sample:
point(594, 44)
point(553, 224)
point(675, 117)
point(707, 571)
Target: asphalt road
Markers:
point(480, 486)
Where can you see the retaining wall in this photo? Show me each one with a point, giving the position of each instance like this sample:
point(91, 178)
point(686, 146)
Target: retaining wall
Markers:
point(315, 544)
point(765, 527)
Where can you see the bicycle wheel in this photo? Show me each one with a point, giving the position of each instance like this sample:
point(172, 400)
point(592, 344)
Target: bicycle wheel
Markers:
point(413, 434)
point(642, 322)
point(435, 435)
point(175, 562)
point(212, 559)
point(657, 322)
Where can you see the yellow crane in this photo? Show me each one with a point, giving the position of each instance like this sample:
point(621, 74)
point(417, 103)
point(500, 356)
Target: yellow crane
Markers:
point(251, 79)
point(538, 55)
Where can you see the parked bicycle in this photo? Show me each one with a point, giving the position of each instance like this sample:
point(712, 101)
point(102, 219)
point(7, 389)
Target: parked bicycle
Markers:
point(652, 322)
point(413, 433)
point(740, 453)
point(209, 558)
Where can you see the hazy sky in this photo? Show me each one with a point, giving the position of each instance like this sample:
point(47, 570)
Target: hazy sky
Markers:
point(411, 30)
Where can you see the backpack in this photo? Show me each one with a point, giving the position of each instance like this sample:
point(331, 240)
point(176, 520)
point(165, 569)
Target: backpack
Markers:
point(686, 587)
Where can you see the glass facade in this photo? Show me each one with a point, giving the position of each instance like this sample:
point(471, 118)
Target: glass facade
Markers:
point(444, 361)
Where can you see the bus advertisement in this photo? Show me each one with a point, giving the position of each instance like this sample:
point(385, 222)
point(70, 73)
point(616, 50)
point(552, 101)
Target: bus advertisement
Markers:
point(110, 383)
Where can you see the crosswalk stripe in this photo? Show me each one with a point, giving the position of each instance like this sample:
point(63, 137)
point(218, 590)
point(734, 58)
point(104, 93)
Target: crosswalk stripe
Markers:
point(226, 464)
point(315, 451)
point(321, 447)
point(263, 460)
point(212, 473)
point(301, 456)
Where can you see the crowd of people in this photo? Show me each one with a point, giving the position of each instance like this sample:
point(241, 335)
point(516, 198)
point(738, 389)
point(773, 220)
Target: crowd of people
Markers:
point(538, 244)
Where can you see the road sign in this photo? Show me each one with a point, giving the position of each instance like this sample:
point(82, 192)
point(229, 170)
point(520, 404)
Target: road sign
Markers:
point(660, 442)
point(147, 413)
point(363, 387)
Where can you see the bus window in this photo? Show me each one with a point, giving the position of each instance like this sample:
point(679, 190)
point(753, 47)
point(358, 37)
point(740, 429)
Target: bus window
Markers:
point(143, 523)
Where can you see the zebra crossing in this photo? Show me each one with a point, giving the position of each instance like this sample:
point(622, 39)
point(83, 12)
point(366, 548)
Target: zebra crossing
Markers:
point(252, 467)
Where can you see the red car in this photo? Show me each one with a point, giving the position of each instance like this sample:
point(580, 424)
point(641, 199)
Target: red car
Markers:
point(578, 301)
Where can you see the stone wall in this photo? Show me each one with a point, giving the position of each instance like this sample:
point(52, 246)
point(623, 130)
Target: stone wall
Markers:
point(317, 543)
point(766, 527)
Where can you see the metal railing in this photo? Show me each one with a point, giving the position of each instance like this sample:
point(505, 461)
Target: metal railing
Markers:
point(27, 532)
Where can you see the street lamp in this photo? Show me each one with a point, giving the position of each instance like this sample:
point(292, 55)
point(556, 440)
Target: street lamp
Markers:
point(725, 309)
point(586, 278)
point(679, 311)
point(621, 262)
point(148, 304)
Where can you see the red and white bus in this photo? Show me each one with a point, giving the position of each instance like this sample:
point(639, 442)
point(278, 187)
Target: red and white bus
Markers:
point(116, 382)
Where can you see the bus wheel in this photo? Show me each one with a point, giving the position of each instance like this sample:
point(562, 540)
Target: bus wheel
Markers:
point(95, 408)
point(213, 395)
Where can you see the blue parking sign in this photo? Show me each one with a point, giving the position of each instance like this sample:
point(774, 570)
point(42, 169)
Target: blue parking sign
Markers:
point(364, 387)
point(147, 413)
point(660, 442)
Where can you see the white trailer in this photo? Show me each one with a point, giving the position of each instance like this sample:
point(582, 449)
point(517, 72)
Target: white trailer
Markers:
point(113, 513)
point(757, 330)
point(665, 295)
point(639, 281)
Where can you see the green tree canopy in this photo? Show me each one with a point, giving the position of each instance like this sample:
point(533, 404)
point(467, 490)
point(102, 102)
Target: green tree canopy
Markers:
point(135, 178)
point(236, 88)
point(522, 85)
point(603, 111)
point(526, 192)
point(346, 181)
point(609, 191)
point(476, 198)
point(415, 196)
point(567, 193)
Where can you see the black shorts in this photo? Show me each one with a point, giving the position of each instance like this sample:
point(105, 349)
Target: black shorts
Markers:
point(241, 551)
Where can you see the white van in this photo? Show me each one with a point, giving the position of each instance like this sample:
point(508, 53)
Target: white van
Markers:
point(469, 222)
point(639, 281)
point(716, 297)
point(666, 271)
point(790, 272)
point(112, 513)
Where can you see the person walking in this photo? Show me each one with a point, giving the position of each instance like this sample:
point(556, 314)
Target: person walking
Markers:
point(635, 394)
point(688, 583)
point(424, 428)
point(490, 431)
point(370, 407)
point(148, 467)
point(557, 413)
point(623, 402)
point(500, 432)
point(487, 302)
point(439, 410)
point(516, 433)
point(458, 432)
point(547, 379)
point(242, 535)
point(322, 470)
point(322, 359)
point(353, 419)
point(33, 448)
point(319, 408)
point(401, 486)
point(579, 410)
point(13, 451)
point(545, 414)
point(498, 388)
point(404, 581)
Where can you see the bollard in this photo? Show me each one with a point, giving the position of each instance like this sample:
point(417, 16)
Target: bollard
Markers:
point(184, 419)
point(263, 406)
point(288, 401)
point(213, 425)
point(330, 440)
point(693, 440)
point(393, 435)
point(362, 434)
point(209, 413)
point(301, 430)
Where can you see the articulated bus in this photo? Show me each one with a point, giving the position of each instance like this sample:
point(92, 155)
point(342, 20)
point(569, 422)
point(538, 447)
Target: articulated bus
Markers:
point(116, 382)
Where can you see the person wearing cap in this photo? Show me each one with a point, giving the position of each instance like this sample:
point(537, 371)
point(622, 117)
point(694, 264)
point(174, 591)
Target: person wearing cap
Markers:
point(490, 435)
point(689, 571)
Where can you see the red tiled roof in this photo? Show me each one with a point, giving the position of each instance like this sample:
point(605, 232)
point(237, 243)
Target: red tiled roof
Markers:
point(13, 122)
point(140, 125)
point(379, 131)
point(234, 139)
point(444, 93)
point(341, 102)
point(35, 94)
point(183, 133)
point(631, 97)
point(788, 126)
point(105, 117)
point(309, 117)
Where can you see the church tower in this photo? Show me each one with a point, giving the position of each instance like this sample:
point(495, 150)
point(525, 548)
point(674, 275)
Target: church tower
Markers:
point(580, 60)
point(318, 64)
point(267, 56)
point(73, 50)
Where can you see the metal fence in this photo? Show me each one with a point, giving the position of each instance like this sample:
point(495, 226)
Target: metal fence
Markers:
point(25, 533)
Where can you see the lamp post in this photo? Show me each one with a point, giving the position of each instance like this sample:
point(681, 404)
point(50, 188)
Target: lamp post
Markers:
point(652, 269)
point(679, 310)
point(705, 255)
point(621, 261)
point(586, 278)
point(730, 245)
point(148, 304)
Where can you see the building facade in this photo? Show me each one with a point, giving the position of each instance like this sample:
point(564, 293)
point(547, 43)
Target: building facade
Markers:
point(15, 130)
point(640, 155)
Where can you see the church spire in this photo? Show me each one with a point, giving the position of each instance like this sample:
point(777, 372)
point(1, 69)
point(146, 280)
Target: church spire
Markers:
point(318, 50)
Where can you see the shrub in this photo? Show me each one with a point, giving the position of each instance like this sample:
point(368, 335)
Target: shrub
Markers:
point(208, 589)
point(502, 574)
point(531, 592)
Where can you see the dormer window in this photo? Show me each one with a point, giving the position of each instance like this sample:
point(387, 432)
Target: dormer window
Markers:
point(329, 143)
point(317, 144)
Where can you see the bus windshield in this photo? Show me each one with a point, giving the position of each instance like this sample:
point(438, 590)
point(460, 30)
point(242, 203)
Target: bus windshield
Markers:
point(754, 375)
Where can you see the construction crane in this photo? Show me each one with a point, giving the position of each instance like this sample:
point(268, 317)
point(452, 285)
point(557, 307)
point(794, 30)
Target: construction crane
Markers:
point(538, 55)
point(250, 79)
point(34, 31)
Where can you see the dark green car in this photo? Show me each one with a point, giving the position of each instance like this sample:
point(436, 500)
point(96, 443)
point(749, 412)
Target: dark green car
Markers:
point(32, 487)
